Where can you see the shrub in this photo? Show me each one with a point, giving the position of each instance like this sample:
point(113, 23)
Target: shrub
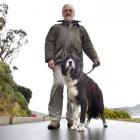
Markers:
point(116, 114)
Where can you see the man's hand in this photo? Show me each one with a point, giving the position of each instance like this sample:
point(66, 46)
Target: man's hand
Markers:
point(96, 62)
point(51, 64)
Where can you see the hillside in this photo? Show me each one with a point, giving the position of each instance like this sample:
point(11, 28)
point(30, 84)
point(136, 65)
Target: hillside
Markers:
point(134, 111)
point(12, 102)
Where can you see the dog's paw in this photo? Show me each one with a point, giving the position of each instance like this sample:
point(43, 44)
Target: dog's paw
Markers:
point(81, 127)
point(87, 123)
point(75, 125)
point(105, 125)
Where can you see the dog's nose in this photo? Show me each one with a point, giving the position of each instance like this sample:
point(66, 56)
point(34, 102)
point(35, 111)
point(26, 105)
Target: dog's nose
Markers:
point(70, 63)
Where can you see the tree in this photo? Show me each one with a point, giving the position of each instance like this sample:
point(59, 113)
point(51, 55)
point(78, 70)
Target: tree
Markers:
point(10, 40)
point(26, 92)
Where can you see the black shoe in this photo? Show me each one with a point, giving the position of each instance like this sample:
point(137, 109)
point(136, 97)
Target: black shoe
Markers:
point(54, 124)
point(70, 124)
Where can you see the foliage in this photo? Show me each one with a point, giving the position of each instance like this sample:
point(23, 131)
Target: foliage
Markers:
point(26, 92)
point(116, 114)
point(11, 40)
point(3, 9)
point(6, 79)
point(12, 102)
point(136, 120)
point(11, 43)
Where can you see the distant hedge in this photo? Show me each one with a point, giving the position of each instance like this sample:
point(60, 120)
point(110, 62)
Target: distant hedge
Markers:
point(116, 114)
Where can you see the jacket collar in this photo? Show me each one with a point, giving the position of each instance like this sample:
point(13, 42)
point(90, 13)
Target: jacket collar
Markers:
point(74, 22)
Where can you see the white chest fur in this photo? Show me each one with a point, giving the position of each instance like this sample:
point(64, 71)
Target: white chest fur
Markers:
point(72, 92)
point(72, 89)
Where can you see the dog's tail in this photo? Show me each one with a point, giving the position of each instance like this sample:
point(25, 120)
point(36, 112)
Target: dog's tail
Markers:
point(97, 102)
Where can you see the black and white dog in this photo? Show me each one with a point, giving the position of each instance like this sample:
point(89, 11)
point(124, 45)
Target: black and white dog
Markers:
point(83, 92)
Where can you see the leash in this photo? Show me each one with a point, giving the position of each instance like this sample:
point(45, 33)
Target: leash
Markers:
point(93, 67)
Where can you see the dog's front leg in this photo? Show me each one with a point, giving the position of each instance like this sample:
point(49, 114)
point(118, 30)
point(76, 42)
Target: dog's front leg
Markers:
point(75, 109)
point(81, 127)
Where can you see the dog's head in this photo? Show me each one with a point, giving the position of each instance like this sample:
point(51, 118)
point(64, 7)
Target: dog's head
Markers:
point(72, 66)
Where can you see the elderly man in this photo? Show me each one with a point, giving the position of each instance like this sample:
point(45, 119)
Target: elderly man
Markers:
point(67, 37)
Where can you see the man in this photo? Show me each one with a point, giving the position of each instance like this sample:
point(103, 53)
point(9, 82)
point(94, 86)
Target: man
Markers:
point(67, 37)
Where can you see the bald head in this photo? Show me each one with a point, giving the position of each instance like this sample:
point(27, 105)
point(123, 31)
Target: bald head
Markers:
point(68, 12)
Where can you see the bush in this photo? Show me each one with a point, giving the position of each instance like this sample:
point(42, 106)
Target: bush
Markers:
point(26, 92)
point(116, 114)
point(19, 98)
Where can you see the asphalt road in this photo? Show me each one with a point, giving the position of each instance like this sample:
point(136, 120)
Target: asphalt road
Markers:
point(116, 130)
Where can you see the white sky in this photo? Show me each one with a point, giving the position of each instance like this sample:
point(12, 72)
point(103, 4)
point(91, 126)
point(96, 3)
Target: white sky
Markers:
point(114, 28)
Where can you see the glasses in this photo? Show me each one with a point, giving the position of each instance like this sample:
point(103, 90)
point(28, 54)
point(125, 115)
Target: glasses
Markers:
point(68, 10)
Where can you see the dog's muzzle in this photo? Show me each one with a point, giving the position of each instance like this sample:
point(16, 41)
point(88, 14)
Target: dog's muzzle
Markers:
point(70, 64)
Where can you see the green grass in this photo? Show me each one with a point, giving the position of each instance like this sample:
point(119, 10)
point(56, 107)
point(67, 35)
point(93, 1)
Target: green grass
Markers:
point(136, 120)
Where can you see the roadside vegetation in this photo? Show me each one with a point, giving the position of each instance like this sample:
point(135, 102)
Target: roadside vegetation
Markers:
point(136, 120)
point(116, 114)
point(14, 99)
point(120, 115)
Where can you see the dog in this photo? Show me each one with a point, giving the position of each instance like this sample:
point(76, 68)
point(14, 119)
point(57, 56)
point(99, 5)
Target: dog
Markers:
point(83, 92)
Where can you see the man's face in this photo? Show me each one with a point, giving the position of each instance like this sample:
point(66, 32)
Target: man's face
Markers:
point(68, 13)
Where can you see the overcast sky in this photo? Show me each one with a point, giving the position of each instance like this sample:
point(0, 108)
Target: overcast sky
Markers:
point(114, 28)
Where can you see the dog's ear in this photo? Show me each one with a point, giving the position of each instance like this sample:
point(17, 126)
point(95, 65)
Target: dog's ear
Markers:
point(63, 66)
point(78, 70)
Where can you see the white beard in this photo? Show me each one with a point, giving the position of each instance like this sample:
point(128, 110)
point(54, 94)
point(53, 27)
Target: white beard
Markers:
point(68, 18)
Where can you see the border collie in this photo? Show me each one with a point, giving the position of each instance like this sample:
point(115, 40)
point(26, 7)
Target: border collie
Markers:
point(83, 92)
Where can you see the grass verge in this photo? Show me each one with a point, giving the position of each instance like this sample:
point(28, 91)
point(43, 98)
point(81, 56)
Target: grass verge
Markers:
point(136, 120)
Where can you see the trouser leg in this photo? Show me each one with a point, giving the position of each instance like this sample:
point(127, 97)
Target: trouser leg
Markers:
point(69, 113)
point(56, 96)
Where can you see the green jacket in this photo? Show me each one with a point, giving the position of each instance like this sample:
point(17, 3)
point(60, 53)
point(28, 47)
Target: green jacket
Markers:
point(65, 38)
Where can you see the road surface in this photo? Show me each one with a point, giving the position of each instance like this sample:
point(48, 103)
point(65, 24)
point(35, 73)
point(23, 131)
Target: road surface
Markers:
point(117, 130)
